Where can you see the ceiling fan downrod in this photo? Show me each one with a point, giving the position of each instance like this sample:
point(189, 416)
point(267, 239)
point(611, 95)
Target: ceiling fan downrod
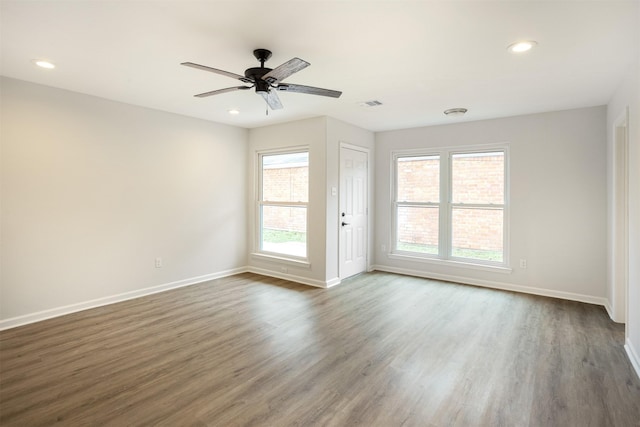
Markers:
point(262, 55)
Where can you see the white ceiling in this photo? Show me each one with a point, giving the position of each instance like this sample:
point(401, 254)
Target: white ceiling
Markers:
point(416, 57)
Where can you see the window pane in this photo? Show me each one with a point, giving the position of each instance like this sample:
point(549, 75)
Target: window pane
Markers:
point(418, 179)
point(477, 178)
point(284, 230)
point(477, 234)
point(285, 177)
point(417, 229)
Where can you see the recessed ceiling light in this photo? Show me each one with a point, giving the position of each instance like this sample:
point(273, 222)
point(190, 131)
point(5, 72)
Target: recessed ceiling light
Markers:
point(234, 111)
point(455, 112)
point(44, 64)
point(522, 46)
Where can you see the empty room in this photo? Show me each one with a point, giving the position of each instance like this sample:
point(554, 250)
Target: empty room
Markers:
point(319, 213)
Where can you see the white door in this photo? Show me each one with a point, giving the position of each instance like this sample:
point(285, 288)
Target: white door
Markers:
point(353, 211)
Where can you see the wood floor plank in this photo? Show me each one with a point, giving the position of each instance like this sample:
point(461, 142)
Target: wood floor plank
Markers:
point(378, 350)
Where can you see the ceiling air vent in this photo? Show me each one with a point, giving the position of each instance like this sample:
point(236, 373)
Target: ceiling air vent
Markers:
point(368, 104)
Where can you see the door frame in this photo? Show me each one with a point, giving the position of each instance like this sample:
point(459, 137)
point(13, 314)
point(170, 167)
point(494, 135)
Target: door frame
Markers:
point(620, 220)
point(365, 150)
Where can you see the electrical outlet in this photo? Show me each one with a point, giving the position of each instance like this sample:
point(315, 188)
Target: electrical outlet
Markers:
point(523, 263)
point(284, 269)
point(158, 262)
point(384, 248)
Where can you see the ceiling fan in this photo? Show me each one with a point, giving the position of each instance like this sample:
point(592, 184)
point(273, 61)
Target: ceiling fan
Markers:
point(267, 81)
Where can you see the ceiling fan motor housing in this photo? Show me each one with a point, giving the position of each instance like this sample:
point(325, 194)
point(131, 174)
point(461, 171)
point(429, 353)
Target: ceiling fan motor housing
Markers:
point(255, 74)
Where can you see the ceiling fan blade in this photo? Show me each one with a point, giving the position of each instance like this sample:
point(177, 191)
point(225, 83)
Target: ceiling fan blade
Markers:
point(219, 91)
point(310, 90)
point(272, 99)
point(283, 71)
point(215, 70)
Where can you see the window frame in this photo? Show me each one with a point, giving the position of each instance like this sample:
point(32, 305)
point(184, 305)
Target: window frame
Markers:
point(260, 203)
point(446, 207)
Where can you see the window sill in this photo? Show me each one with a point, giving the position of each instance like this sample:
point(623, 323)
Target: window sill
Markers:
point(452, 263)
point(302, 263)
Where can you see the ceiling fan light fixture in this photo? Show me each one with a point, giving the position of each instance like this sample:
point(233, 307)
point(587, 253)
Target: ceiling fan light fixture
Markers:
point(455, 112)
point(262, 86)
point(522, 46)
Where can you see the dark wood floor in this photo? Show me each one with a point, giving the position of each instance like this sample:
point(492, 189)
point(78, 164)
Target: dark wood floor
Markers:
point(378, 350)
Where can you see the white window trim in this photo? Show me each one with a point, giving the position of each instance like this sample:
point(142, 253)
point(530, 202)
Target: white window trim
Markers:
point(461, 263)
point(445, 206)
point(282, 259)
point(259, 203)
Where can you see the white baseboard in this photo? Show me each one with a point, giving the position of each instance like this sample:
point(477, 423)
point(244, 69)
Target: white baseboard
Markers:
point(73, 308)
point(294, 278)
point(495, 285)
point(633, 356)
point(607, 306)
point(333, 282)
point(617, 315)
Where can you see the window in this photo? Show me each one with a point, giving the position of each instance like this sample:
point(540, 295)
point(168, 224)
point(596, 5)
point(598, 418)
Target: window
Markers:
point(418, 204)
point(451, 205)
point(282, 203)
point(477, 206)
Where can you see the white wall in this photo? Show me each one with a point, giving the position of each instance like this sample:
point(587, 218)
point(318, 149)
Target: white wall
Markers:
point(94, 190)
point(628, 96)
point(558, 200)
